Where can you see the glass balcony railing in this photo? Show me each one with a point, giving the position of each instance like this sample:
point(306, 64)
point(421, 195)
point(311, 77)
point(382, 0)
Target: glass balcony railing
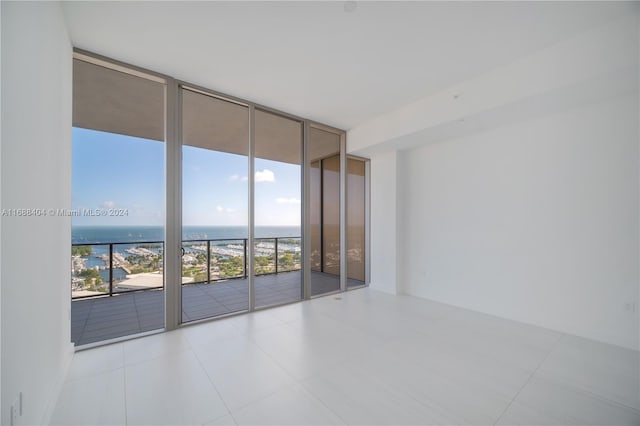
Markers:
point(274, 255)
point(105, 269)
point(110, 268)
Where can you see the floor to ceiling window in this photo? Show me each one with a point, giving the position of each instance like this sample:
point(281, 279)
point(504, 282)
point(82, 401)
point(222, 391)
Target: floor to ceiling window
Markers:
point(118, 203)
point(215, 153)
point(356, 222)
point(277, 209)
point(324, 162)
point(189, 204)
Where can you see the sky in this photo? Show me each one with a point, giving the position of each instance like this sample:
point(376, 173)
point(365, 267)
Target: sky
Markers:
point(122, 172)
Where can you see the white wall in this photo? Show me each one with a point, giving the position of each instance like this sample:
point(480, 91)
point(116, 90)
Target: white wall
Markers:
point(384, 241)
point(0, 217)
point(536, 221)
point(36, 173)
point(519, 189)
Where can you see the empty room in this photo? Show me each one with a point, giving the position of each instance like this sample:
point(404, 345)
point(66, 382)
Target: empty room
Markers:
point(319, 213)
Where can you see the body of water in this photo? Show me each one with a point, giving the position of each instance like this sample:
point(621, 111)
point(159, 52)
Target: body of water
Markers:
point(121, 234)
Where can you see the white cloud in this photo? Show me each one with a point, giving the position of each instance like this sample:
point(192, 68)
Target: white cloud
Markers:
point(283, 200)
point(108, 204)
point(265, 175)
point(225, 209)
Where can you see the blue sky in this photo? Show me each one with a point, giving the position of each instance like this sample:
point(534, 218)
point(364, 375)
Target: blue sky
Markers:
point(116, 171)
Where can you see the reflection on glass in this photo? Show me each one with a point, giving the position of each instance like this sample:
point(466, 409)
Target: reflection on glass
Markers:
point(324, 149)
point(277, 209)
point(214, 206)
point(331, 215)
point(355, 222)
point(315, 222)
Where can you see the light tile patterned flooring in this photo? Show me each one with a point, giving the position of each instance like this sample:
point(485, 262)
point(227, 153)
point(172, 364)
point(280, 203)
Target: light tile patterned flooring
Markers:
point(103, 318)
point(360, 357)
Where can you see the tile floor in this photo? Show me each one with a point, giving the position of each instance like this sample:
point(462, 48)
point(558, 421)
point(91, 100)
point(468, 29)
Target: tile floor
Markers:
point(358, 358)
point(104, 318)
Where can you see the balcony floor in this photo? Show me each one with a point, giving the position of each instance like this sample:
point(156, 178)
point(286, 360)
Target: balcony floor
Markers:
point(103, 318)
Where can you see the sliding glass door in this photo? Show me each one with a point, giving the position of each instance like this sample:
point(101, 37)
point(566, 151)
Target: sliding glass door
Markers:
point(215, 199)
point(325, 211)
point(220, 181)
point(356, 222)
point(277, 210)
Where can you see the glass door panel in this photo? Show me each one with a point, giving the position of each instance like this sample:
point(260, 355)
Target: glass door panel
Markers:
point(315, 222)
point(277, 210)
point(355, 222)
point(324, 150)
point(215, 137)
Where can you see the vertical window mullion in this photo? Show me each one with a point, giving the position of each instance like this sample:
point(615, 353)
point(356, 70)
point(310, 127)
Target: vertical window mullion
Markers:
point(251, 181)
point(306, 214)
point(173, 216)
point(343, 212)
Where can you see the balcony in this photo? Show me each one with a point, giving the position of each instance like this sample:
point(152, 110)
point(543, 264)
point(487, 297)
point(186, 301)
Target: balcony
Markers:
point(117, 288)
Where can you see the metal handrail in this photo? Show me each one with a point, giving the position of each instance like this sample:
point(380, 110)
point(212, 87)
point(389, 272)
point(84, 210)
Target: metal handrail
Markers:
point(203, 240)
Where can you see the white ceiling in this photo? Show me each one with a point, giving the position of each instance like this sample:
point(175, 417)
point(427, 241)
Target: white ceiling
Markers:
point(314, 59)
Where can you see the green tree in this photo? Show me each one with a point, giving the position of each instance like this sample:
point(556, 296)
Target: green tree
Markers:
point(91, 277)
point(81, 250)
point(231, 266)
